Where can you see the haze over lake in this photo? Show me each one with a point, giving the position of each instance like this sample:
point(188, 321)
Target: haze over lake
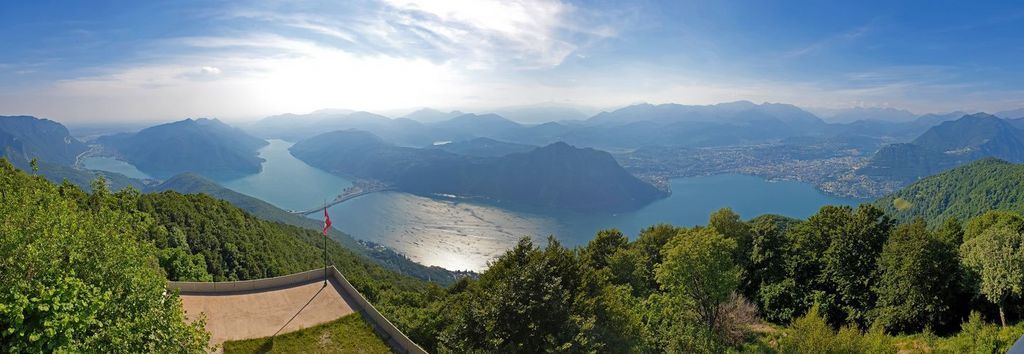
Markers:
point(105, 163)
point(460, 234)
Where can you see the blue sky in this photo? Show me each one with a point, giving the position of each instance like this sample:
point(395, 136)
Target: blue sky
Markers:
point(159, 60)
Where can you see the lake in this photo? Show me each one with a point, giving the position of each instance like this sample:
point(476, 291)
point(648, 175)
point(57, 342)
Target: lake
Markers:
point(459, 234)
point(104, 163)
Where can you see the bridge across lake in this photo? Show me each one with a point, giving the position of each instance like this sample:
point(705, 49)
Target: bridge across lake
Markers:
point(341, 199)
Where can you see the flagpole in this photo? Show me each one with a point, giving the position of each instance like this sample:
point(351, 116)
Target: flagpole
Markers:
point(325, 242)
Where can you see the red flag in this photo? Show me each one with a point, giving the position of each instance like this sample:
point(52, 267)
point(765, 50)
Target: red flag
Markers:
point(327, 222)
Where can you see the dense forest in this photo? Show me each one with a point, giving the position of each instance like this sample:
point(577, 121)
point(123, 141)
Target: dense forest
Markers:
point(843, 280)
point(964, 192)
point(76, 278)
point(79, 264)
point(189, 183)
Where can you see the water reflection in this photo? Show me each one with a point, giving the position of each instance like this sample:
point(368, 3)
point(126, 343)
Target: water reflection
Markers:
point(110, 164)
point(446, 233)
point(457, 234)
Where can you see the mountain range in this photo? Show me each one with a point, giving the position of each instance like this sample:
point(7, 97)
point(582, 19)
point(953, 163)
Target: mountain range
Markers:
point(26, 138)
point(556, 175)
point(204, 146)
point(947, 145)
point(884, 114)
point(630, 127)
point(483, 147)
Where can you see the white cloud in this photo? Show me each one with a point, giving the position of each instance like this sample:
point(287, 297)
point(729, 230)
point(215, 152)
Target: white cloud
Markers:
point(531, 33)
point(288, 76)
point(209, 70)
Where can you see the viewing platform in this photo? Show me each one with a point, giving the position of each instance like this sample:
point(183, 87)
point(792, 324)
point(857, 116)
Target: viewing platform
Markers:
point(269, 307)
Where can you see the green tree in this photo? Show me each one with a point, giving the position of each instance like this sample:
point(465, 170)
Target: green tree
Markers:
point(727, 223)
point(538, 300)
point(646, 251)
point(978, 225)
point(767, 254)
point(77, 280)
point(850, 264)
point(919, 281)
point(805, 262)
point(812, 334)
point(997, 256)
point(699, 269)
point(951, 232)
point(606, 243)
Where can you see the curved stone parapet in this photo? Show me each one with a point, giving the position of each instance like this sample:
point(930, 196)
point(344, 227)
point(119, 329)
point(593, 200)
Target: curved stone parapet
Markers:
point(398, 341)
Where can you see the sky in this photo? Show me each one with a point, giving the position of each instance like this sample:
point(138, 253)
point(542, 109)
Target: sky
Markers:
point(104, 61)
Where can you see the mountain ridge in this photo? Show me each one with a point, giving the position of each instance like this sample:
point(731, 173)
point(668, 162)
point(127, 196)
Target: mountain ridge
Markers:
point(205, 146)
point(529, 177)
point(947, 145)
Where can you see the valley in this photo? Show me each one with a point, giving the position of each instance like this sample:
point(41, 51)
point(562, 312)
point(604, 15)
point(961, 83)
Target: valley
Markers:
point(460, 234)
point(512, 176)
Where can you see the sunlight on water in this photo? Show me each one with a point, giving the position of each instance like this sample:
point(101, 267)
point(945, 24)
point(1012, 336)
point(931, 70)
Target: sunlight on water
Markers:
point(458, 234)
point(453, 235)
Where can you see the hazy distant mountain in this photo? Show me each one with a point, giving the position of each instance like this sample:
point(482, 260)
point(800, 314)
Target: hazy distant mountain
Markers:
point(30, 137)
point(362, 154)
point(204, 146)
point(483, 147)
point(740, 112)
point(1011, 114)
point(631, 127)
point(898, 131)
point(730, 123)
point(948, 145)
point(932, 119)
point(472, 125)
point(557, 175)
point(977, 134)
point(1018, 123)
point(24, 138)
point(428, 115)
point(295, 127)
point(542, 113)
point(870, 113)
point(87, 131)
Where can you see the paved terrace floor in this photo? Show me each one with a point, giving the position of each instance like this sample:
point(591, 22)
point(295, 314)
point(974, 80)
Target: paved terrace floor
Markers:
point(265, 313)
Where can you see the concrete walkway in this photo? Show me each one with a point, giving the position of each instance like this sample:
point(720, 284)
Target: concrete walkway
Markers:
point(246, 315)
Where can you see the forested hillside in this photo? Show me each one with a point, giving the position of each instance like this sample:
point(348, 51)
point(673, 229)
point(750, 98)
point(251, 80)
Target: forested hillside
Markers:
point(770, 284)
point(845, 280)
point(962, 193)
point(104, 244)
point(191, 183)
point(76, 278)
point(947, 145)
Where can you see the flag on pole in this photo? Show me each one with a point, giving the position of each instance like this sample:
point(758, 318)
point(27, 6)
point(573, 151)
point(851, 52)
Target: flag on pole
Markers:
point(327, 222)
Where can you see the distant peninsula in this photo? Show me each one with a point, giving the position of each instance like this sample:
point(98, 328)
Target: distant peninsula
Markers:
point(557, 175)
